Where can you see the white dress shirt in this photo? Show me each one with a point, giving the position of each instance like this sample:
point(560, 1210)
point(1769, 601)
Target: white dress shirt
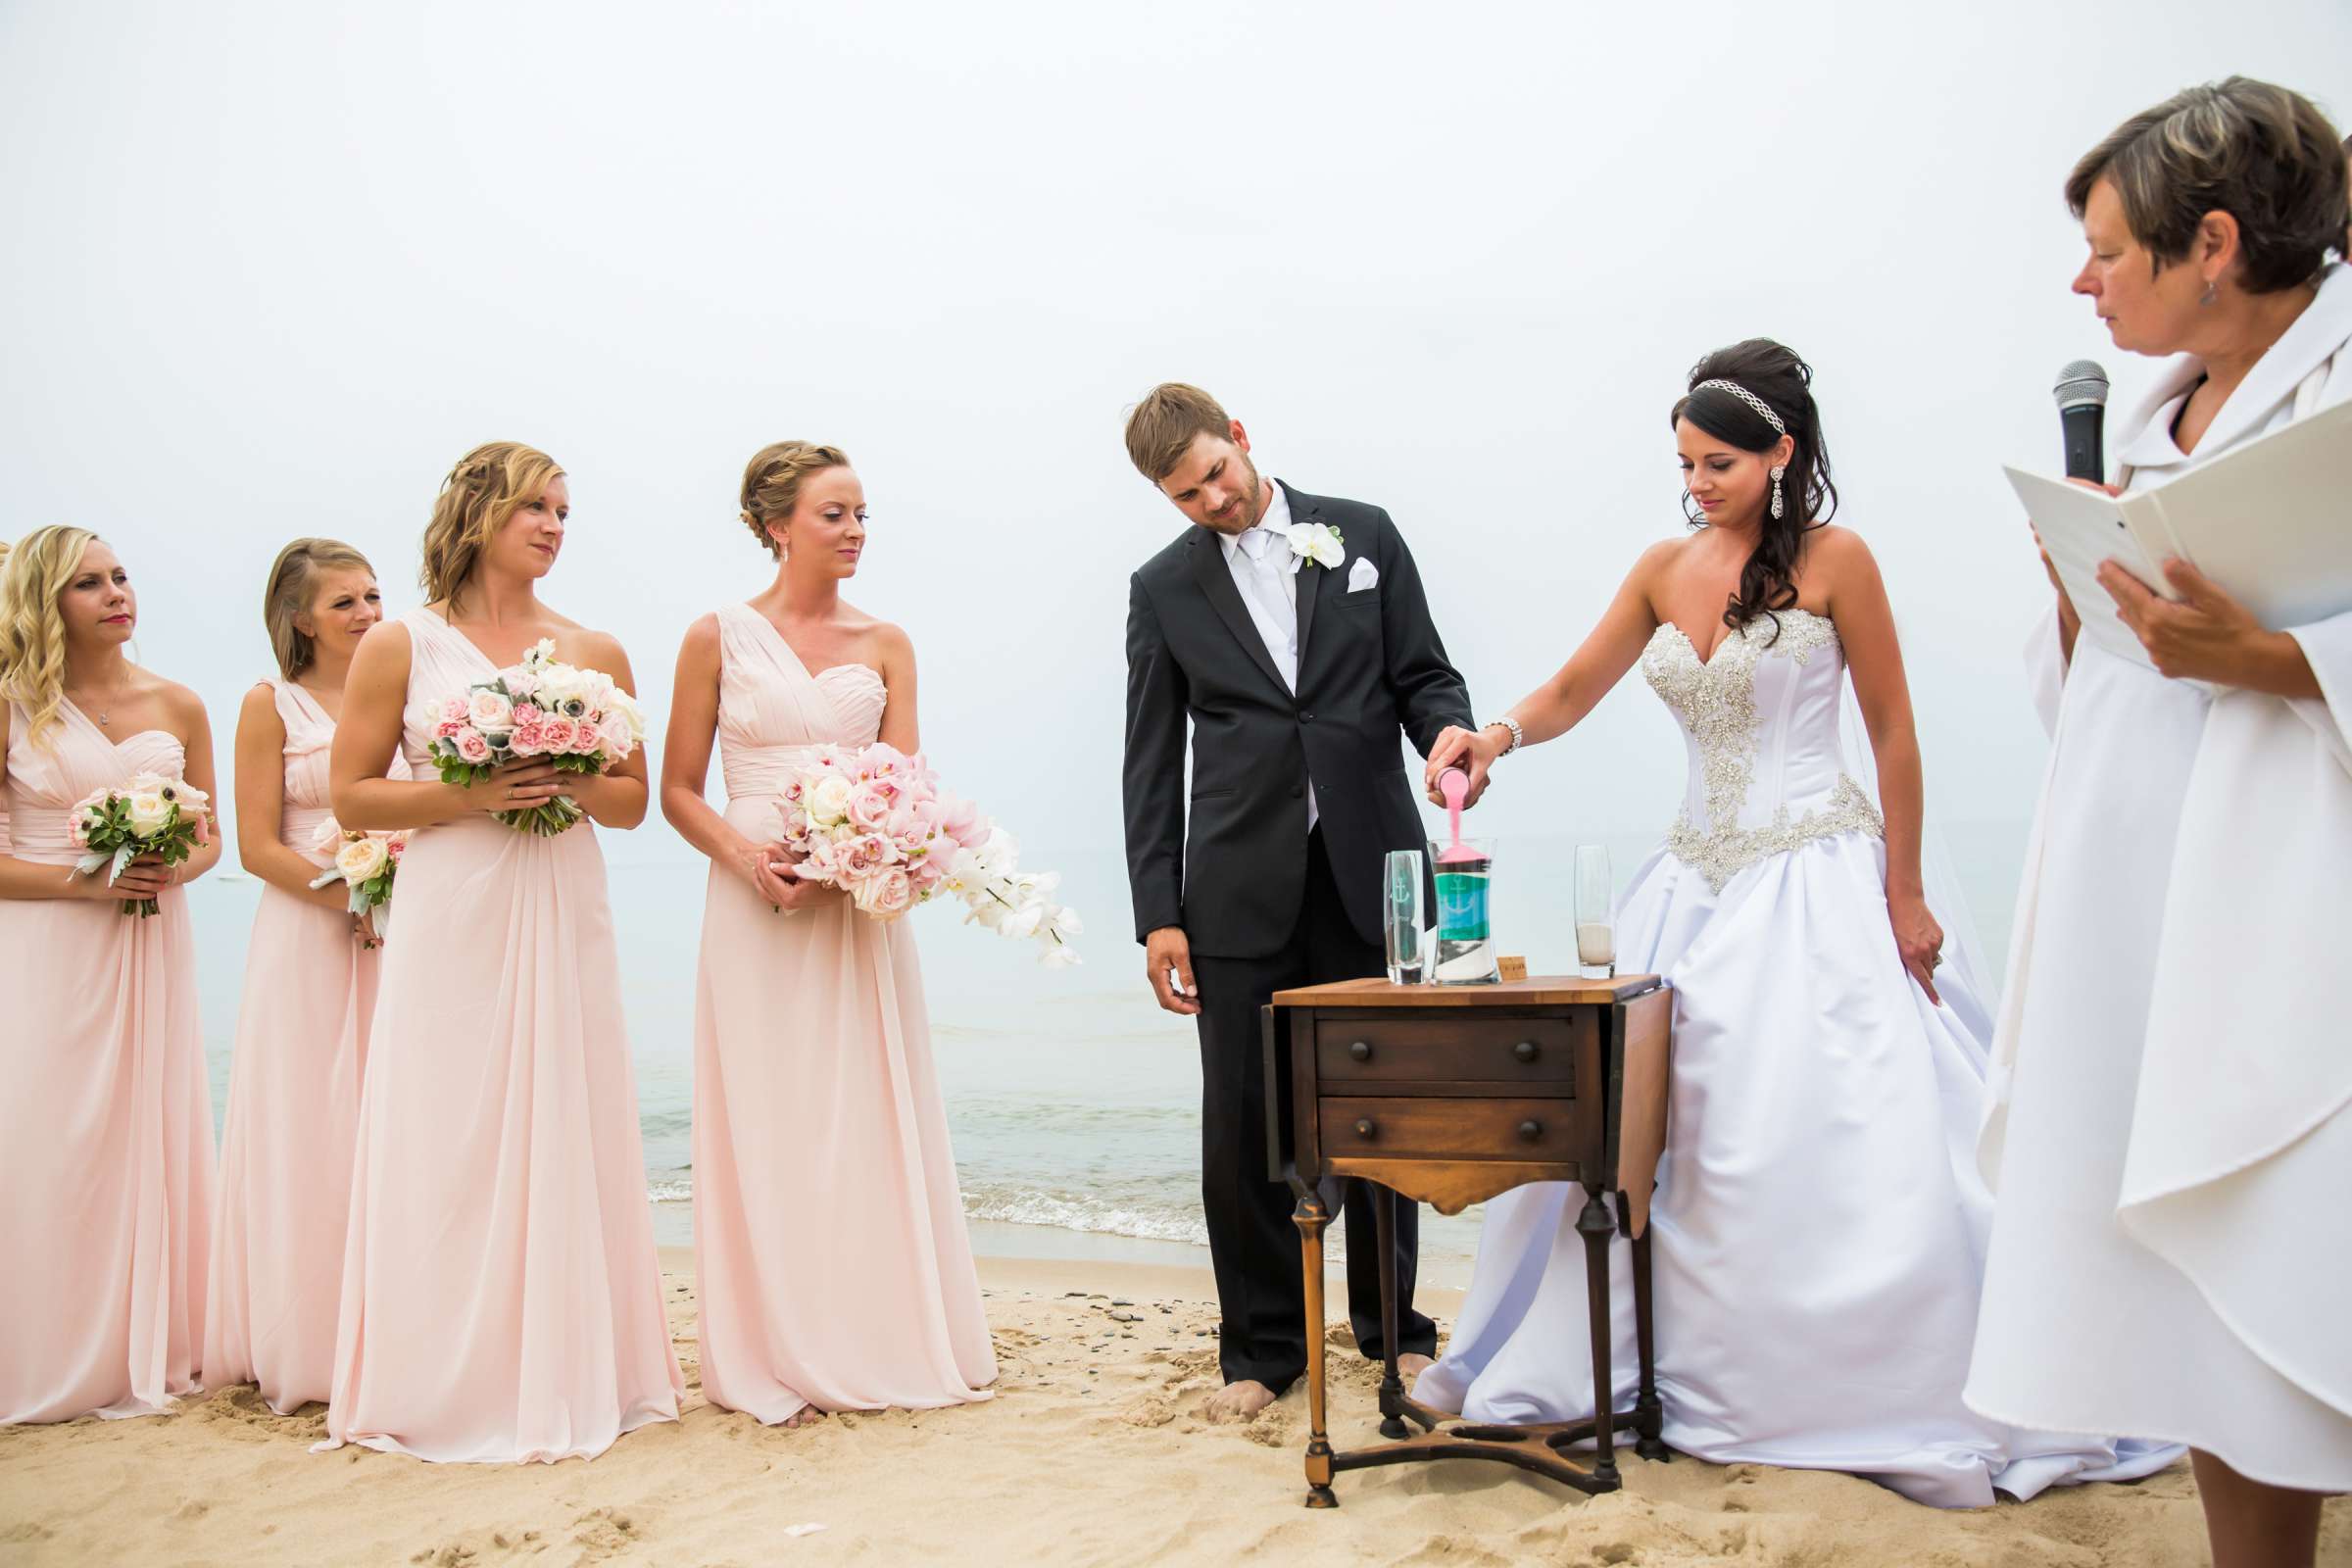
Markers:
point(1266, 572)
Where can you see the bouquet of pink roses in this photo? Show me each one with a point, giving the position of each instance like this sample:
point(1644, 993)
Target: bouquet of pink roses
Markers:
point(151, 814)
point(365, 862)
point(876, 824)
point(576, 718)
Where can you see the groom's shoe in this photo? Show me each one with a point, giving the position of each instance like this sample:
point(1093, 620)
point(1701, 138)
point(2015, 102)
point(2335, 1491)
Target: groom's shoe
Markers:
point(1238, 1402)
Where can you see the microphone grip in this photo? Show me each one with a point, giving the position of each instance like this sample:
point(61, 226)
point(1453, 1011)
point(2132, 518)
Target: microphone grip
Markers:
point(2083, 427)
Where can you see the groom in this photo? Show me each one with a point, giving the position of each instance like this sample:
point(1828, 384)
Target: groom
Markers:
point(1292, 631)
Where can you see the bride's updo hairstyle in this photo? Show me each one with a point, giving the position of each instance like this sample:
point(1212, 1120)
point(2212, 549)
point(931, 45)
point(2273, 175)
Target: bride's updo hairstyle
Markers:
point(489, 485)
point(32, 630)
point(773, 480)
point(1774, 373)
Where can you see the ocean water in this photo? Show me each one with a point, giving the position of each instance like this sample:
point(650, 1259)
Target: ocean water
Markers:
point(1073, 1101)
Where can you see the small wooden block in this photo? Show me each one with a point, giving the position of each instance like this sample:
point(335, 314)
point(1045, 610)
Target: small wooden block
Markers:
point(1511, 966)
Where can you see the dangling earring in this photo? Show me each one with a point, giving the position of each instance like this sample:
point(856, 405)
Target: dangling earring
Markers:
point(1696, 520)
point(2213, 291)
point(1777, 470)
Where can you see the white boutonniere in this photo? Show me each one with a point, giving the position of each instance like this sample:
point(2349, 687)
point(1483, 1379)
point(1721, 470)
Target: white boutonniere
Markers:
point(1317, 542)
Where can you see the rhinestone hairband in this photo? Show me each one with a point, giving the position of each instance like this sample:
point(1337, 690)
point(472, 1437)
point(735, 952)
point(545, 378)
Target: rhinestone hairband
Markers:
point(1752, 400)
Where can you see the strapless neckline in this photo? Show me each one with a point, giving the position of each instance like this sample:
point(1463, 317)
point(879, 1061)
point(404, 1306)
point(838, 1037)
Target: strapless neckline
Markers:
point(1684, 637)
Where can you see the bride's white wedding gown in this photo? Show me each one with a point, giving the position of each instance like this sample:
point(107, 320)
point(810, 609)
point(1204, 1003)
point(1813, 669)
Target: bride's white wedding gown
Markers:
point(1819, 1228)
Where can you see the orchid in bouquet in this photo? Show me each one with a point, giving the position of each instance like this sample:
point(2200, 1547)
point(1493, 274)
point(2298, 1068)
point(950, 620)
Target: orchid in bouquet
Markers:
point(365, 862)
point(151, 814)
point(876, 824)
point(578, 719)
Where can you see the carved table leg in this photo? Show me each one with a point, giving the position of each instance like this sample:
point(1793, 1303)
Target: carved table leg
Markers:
point(1595, 1226)
point(1649, 1415)
point(1392, 1387)
point(1311, 1216)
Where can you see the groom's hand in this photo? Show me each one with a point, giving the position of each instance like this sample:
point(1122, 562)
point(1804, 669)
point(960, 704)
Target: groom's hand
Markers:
point(1168, 950)
point(1474, 752)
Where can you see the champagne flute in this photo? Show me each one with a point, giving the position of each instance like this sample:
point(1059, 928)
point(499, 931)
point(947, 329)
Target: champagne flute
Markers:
point(1400, 905)
point(1595, 931)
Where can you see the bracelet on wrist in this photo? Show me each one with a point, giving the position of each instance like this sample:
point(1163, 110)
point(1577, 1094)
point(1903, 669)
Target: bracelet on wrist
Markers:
point(1512, 726)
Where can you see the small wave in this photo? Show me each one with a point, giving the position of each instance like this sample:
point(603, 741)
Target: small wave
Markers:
point(1085, 1214)
point(1150, 1222)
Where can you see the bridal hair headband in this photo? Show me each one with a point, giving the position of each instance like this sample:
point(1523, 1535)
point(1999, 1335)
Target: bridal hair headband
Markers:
point(1752, 400)
point(1765, 409)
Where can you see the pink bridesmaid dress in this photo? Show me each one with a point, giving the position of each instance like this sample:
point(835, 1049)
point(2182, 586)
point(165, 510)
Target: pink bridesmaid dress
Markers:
point(104, 1115)
point(828, 1231)
point(501, 1299)
point(293, 1111)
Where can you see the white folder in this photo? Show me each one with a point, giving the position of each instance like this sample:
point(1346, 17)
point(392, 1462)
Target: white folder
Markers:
point(2270, 522)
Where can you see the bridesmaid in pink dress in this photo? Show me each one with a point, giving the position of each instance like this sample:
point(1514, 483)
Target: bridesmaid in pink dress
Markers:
point(501, 1296)
point(829, 1241)
point(310, 989)
point(104, 1115)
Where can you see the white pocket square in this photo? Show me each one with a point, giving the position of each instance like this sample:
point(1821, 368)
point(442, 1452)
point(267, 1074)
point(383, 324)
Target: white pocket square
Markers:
point(1362, 576)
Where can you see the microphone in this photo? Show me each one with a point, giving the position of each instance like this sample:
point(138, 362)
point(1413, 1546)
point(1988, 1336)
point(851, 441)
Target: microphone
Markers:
point(2082, 394)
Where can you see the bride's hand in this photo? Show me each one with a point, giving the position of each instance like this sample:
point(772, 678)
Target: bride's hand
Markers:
point(1918, 938)
point(1474, 752)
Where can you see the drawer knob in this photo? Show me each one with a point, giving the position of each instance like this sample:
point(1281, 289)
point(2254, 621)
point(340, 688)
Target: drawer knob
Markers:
point(1530, 1131)
point(1361, 1050)
point(1364, 1128)
point(1526, 1050)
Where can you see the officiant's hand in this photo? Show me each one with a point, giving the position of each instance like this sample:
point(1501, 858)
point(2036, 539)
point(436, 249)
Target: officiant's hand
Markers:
point(1166, 948)
point(1474, 752)
point(2207, 635)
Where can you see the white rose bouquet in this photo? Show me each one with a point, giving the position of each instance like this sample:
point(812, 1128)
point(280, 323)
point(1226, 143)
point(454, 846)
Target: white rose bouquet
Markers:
point(876, 824)
point(367, 864)
point(149, 815)
point(576, 718)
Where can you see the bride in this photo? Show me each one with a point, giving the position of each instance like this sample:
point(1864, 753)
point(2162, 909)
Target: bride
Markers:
point(1818, 1231)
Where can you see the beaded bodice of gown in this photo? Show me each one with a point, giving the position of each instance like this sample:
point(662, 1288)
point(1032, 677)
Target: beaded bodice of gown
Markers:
point(1759, 717)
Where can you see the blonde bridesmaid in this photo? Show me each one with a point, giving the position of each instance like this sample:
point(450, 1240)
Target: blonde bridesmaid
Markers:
point(834, 1269)
point(501, 1296)
point(105, 1116)
point(309, 987)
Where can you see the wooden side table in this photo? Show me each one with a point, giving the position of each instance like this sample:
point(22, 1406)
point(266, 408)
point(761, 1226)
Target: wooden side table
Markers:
point(1451, 1095)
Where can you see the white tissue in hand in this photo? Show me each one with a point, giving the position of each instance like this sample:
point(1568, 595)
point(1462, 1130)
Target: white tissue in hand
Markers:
point(1363, 575)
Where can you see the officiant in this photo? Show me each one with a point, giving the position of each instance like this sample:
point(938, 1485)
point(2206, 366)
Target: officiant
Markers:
point(2175, 1128)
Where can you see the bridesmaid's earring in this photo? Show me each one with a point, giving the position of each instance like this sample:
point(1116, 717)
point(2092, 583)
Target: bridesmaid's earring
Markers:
point(1777, 470)
point(2213, 291)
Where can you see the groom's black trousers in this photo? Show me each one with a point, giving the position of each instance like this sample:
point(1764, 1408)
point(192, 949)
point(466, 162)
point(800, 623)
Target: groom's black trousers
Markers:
point(1253, 1241)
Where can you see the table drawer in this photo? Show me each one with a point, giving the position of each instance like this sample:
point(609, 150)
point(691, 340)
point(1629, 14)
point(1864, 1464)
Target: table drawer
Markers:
point(1524, 1129)
point(1535, 1056)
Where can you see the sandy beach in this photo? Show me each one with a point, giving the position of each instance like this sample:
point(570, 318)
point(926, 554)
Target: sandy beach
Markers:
point(1091, 1452)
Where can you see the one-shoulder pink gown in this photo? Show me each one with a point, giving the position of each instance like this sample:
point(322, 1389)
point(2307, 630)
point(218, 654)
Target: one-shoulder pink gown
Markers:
point(828, 1231)
point(501, 1299)
point(293, 1111)
point(103, 1110)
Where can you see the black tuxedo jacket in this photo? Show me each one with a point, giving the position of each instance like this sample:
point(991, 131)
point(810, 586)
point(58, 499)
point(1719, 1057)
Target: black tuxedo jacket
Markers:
point(1369, 663)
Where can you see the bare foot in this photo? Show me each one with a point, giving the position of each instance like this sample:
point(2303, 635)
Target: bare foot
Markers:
point(1238, 1402)
point(807, 1415)
point(1409, 1366)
